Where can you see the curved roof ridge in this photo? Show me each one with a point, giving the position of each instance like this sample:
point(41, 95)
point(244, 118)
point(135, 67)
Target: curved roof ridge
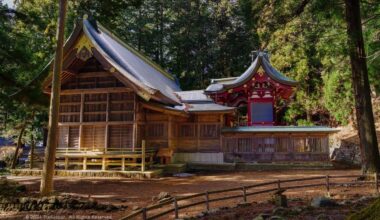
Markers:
point(260, 60)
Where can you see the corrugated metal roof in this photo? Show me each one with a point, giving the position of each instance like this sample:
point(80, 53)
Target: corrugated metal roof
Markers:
point(130, 62)
point(209, 107)
point(223, 84)
point(193, 96)
point(275, 129)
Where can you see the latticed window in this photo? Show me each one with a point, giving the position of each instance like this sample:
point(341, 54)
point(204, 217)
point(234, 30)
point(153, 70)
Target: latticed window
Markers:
point(187, 131)
point(68, 137)
point(120, 136)
point(210, 131)
point(156, 130)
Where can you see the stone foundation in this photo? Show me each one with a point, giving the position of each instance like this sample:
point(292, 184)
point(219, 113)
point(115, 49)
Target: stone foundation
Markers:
point(92, 173)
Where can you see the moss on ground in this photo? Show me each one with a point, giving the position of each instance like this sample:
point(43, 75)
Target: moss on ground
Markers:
point(371, 212)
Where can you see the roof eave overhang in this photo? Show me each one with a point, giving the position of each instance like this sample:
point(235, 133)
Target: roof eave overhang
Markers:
point(164, 109)
point(260, 62)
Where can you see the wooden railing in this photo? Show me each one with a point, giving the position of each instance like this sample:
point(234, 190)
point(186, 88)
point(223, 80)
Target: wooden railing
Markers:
point(244, 193)
point(105, 155)
point(104, 150)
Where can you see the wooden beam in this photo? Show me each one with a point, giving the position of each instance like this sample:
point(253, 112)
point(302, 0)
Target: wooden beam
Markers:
point(94, 90)
point(96, 123)
point(164, 110)
point(94, 74)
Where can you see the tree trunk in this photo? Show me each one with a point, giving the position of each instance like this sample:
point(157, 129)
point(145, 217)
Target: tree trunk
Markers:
point(19, 140)
point(49, 162)
point(32, 147)
point(364, 114)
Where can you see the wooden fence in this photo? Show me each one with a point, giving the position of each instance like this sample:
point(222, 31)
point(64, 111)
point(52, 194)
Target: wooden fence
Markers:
point(244, 193)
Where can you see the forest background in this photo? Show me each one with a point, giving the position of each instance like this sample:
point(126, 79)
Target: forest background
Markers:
point(195, 40)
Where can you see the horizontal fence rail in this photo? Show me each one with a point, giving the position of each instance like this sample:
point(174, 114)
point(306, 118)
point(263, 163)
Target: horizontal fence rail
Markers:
point(174, 206)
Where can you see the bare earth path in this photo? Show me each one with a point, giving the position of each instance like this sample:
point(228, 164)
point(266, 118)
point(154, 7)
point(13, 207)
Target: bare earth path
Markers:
point(140, 192)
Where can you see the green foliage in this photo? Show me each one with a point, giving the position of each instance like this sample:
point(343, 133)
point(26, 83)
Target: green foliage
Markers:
point(337, 95)
point(371, 212)
point(199, 40)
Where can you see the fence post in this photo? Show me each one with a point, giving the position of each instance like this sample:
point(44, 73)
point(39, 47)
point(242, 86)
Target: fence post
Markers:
point(207, 202)
point(175, 208)
point(144, 213)
point(244, 194)
point(328, 185)
point(376, 183)
point(143, 156)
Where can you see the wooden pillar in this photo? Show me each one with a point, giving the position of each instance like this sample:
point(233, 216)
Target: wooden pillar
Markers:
point(66, 163)
point(198, 133)
point(134, 128)
point(84, 163)
point(143, 156)
point(123, 164)
point(104, 165)
point(106, 133)
point(170, 132)
point(220, 133)
point(81, 121)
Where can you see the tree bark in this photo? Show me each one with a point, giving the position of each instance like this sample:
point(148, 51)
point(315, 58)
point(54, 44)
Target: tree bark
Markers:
point(32, 147)
point(19, 140)
point(49, 162)
point(364, 115)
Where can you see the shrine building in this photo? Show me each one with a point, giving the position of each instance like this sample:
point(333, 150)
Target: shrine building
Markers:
point(113, 99)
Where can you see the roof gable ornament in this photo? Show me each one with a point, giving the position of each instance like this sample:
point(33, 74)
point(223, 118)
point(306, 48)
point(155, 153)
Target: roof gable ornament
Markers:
point(255, 53)
point(83, 47)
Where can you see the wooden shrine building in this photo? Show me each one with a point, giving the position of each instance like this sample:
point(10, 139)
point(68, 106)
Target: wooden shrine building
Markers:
point(113, 98)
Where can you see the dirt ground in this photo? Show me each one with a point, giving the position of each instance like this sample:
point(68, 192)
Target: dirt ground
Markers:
point(139, 193)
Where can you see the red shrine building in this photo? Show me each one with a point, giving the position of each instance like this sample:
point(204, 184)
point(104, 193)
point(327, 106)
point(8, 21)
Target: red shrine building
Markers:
point(113, 99)
point(256, 93)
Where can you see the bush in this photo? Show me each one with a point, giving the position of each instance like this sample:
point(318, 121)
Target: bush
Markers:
point(10, 188)
point(371, 212)
point(6, 154)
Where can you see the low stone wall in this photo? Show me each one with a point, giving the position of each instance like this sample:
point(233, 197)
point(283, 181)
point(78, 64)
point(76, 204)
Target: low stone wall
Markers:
point(52, 203)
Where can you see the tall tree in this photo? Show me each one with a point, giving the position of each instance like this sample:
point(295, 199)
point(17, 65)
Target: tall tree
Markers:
point(49, 162)
point(364, 113)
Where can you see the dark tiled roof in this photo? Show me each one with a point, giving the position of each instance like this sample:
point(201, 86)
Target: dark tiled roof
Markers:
point(219, 85)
